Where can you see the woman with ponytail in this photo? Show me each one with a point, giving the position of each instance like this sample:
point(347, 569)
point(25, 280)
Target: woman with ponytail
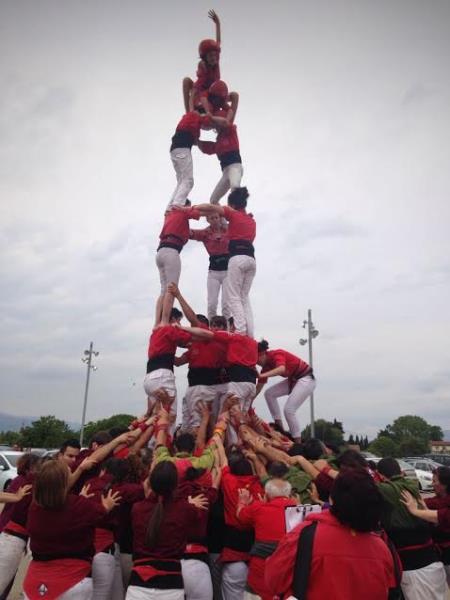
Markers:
point(160, 529)
point(298, 383)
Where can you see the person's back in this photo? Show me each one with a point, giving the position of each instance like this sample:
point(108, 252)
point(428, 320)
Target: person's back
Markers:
point(345, 564)
point(348, 560)
point(423, 571)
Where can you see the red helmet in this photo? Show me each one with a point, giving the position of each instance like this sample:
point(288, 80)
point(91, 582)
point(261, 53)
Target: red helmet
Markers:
point(208, 46)
point(219, 88)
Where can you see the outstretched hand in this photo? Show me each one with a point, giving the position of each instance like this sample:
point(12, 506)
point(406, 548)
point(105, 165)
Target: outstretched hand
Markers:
point(111, 500)
point(200, 501)
point(214, 16)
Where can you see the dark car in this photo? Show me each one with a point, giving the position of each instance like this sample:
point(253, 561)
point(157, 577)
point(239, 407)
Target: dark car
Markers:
point(443, 459)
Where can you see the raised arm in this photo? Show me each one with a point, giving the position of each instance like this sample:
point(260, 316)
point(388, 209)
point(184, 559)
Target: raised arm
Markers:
point(215, 17)
point(278, 371)
point(210, 209)
point(185, 307)
point(199, 333)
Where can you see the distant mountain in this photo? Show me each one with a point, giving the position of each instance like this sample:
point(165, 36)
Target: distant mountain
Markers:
point(14, 423)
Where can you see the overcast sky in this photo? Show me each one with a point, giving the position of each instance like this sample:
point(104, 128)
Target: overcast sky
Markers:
point(344, 125)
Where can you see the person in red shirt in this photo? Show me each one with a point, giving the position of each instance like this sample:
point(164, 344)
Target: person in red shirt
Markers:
point(61, 528)
point(241, 357)
point(208, 70)
point(226, 146)
point(298, 384)
point(163, 343)
point(267, 518)
point(238, 538)
point(215, 239)
point(348, 559)
point(186, 135)
point(174, 235)
point(242, 265)
point(161, 525)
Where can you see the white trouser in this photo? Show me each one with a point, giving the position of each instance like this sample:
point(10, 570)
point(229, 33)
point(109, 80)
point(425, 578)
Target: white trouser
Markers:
point(168, 262)
point(11, 552)
point(234, 578)
point(118, 591)
point(216, 281)
point(161, 379)
point(245, 391)
point(103, 568)
point(197, 580)
point(215, 567)
point(230, 180)
point(222, 394)
point(301, 390)
point(191, 416)
point(428, 583)
point(135, 592)
point(126, 564)
point(182, 163)
point(83, 590)
point(241, 272)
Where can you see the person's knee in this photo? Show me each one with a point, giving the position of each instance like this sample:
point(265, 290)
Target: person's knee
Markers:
point(289, 412)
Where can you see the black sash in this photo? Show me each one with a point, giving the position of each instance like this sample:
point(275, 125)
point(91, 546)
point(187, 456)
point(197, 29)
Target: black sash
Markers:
point(238, 247)
point(235, 539)
point(204, 376)
point(182, 139)
point(229, 158)
point(218, 262)
point(163, 361)
point(239, 373)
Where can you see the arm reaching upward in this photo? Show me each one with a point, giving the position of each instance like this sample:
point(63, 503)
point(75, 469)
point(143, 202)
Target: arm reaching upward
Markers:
point(215, 17)
point(187, 310)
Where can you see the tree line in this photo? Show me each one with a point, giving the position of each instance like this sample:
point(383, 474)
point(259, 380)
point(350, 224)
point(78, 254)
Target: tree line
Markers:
point(408, 435)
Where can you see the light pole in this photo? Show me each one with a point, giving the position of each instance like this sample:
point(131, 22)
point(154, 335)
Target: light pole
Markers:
point(88, 360)
point(312, 333)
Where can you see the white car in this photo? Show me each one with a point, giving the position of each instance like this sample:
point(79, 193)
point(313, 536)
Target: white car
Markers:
point(425, 480)
point(424, 469)
point(8, 470)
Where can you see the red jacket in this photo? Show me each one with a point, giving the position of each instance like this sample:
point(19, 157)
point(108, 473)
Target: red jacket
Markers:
point(269, 523)
point(351, 564)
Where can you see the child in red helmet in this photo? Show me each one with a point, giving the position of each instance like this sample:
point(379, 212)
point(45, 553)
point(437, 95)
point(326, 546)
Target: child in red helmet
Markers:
point(226, 145)
point(208, 70)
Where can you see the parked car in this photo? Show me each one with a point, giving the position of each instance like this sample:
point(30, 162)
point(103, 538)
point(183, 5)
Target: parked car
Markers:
point(49, 454)
point(8, 470)
point(442, 459)
point(424, 464)
point(408, 470)
point(424, 470)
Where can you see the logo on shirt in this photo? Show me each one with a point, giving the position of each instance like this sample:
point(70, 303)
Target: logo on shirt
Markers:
point(43, 589)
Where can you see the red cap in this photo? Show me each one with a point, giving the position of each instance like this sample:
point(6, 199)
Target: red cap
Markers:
point(207, 46)
point(219, 88)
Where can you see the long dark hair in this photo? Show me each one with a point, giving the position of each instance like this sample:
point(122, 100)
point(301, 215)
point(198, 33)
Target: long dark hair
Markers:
point(163, 481)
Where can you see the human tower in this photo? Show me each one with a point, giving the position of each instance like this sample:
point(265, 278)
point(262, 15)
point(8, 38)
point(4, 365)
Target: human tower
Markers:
point(221, 352)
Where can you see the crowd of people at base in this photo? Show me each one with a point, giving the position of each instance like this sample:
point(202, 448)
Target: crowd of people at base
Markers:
point(200, 518)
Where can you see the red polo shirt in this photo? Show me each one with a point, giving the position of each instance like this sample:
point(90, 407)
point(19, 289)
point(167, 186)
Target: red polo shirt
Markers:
point(278, 358)
point(166, 339)
point(241, 349)
point(192, 122)
point(206, 354)
point(216, 243)
point(241, 225)
point(176, 225)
